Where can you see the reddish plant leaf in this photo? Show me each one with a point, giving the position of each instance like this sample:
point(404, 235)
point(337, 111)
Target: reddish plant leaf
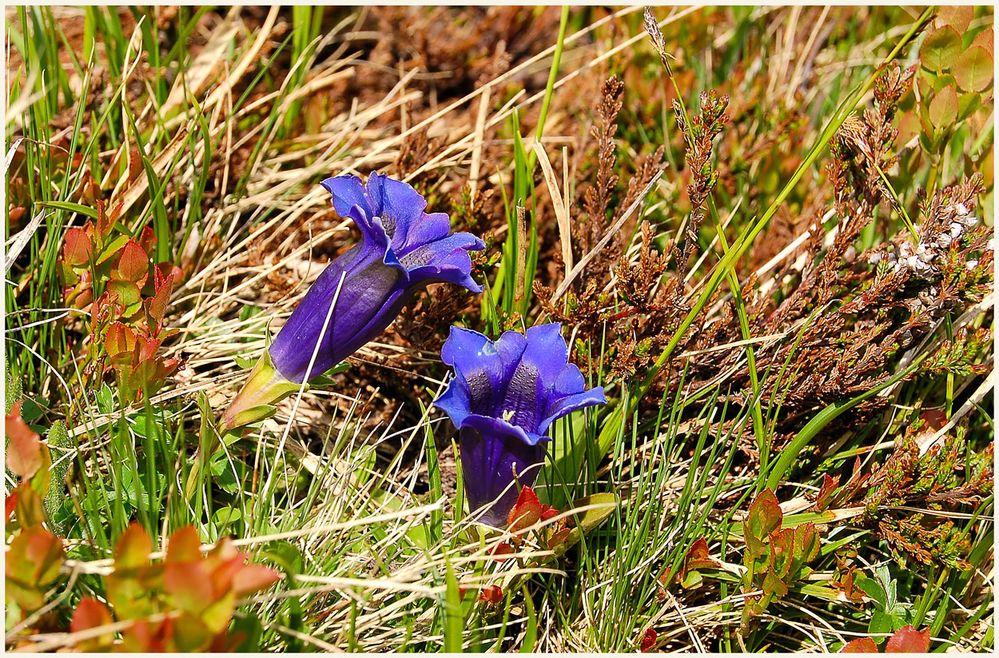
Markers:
point(806, 543)
point(253, 578)
point(699, 558)
point(648, 642)
point(76, 247)
point(9, 503)
point(491, 595)
point(559, 537)
point(189, 585)
point(91, 613)
point(502, 549)
point(826, 492)
point(782, 551)
point(548, 512)
point(32, 564)
point(133, 264)
point(525, 512)
point(184, 546)
point(974, 69)
point(119, 339)
point(24, 450)
point(908, 640)
point(957, 17)
point(764, 515)
point(133, 548)
point(860, 645)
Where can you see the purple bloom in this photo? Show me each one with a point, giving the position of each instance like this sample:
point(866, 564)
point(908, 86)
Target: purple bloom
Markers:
point(403, 248)
point(503, 397)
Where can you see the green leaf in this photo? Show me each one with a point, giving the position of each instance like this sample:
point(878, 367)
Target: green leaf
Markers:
point(603, 505)
point(940, 48)
point(454, 620)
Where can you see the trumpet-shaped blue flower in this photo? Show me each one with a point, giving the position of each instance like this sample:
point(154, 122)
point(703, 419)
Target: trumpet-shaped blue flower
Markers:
point(402, 249)
point(503, 397)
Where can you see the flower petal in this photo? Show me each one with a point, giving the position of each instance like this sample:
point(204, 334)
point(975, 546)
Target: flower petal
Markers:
point(348, 191)
point(445, 260)
point(494, 457)
point(482, 366)
point(399, 206)
point(570, 403)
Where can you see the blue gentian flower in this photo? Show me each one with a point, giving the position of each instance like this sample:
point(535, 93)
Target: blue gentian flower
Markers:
point(503, 397)
point(403, 248)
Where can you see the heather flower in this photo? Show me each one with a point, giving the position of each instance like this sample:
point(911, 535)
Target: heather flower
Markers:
point(403, 248)
point(503, 397)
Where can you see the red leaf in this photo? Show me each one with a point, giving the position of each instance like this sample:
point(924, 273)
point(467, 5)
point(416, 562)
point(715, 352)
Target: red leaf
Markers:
point(492, 594)
point(76, 247)
point(133, 548)
point(860, 645)
point(502, 549)
point(908, 640)
point(825, 494)
point(89, 613)
point(10, 502)
point(525, 512)
point(133, 264)
point(764, 515)
point(189, 585)
point(253, 578)
point(184, 546)
point(648, 642)
point(156, 305)
point(119, 339)
point(24, 452)
point(559, 537)
point(699, 558)
point(548, 512)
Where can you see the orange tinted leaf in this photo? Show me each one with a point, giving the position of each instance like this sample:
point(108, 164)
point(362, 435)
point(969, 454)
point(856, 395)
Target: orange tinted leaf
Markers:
point(184, 546)
point(133, 264)
point(119, 339)
point(957, 17)
point(984, 40)
point(76, 247)
point(89, 613)
point(24, 450)
point(253, 578)
point(806, 543)
point(492, 594)
point(699, 558)
point(974, 69)
point(908, 640)
point(525, 512)
point(28, 509)
point(943, 107)
point(502, 549)
point(188, 585)
point(548, 512)
point(826, 492)
point(32, 564)
point(764, 515)
point(860, 645)
point(133, 548)
point(9, 503)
